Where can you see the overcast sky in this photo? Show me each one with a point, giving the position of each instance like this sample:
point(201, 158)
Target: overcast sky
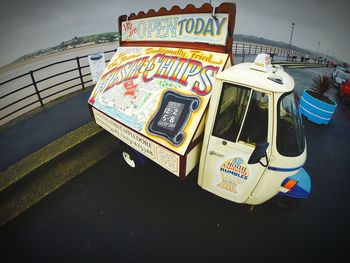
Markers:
point(28, 25)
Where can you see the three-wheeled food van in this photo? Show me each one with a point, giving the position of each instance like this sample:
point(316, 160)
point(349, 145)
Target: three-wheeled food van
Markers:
point(171, 94)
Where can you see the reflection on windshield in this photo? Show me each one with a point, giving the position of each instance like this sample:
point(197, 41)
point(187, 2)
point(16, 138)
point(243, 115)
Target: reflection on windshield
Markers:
point(343, 76)
point(232, 107)
point(256, 122)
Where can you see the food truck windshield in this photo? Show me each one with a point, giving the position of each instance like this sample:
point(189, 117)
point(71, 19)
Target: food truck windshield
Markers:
point(290, 131)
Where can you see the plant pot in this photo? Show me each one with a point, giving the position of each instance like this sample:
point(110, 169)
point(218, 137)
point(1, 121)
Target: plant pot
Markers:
point(316, 110)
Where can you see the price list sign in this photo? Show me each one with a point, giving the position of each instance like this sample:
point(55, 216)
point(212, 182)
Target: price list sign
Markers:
point(171, 115)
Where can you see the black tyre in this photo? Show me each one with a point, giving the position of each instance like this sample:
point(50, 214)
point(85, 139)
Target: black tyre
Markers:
point(286, 204)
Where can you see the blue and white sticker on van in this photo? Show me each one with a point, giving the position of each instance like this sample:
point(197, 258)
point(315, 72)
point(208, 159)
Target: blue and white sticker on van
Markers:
point(233, 172)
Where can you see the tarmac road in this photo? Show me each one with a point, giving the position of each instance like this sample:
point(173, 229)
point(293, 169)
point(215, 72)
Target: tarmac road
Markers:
point(111, 213)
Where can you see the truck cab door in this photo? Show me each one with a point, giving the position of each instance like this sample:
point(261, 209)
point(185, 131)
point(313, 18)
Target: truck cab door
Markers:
point(239, 121)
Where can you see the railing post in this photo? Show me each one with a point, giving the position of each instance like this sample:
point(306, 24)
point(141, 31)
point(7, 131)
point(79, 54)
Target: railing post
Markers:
point(36, 88)
point(80, 75)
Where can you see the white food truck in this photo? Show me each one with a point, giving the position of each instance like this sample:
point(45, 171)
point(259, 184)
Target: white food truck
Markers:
point(170, 94)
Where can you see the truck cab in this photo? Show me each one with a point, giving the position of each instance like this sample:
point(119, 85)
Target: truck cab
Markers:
point(254, 145)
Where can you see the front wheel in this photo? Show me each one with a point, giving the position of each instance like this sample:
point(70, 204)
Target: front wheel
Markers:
point(130, 157)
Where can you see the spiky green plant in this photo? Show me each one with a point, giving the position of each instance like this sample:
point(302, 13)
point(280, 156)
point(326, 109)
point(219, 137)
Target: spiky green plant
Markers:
point(320, 85)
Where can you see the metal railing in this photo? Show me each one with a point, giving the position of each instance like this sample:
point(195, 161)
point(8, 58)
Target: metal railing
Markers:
point(240, 48)
point(40, 90)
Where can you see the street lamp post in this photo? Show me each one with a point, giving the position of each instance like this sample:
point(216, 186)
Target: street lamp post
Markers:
point(318, 47)
point(290, 41)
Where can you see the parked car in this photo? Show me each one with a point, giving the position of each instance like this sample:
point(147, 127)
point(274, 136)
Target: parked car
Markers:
point(343, 67)
point(344, 90)
point(333, 64)
point(340, 76)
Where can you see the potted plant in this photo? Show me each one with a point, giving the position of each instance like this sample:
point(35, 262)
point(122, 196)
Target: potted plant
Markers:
point(314, 104)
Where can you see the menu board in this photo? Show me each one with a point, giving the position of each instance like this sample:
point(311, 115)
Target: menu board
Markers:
point(97, 65)
point(159, 92)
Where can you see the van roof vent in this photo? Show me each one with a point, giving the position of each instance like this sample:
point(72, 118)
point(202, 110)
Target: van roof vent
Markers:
point(277, 79)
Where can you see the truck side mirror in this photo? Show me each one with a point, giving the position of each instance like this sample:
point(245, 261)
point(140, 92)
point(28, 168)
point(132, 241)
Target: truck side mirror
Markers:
point(258, 153)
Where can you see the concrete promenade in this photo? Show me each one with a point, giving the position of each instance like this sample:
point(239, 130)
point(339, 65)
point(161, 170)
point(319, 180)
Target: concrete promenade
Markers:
point(50, 123)
point(112, 213)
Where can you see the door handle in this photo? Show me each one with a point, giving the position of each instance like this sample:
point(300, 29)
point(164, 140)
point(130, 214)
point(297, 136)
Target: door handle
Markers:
point(216, 153)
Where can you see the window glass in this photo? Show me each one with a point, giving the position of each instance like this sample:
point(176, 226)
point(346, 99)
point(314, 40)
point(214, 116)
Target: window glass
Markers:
point(231, 110)
point(290, 130)
point(256, 122)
